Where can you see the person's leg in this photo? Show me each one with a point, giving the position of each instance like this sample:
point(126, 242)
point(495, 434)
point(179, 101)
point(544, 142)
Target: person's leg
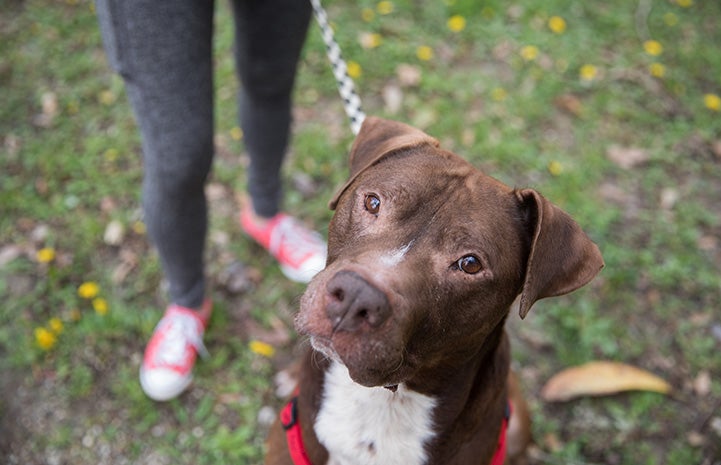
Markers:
point(269, 38)
point(163, 52)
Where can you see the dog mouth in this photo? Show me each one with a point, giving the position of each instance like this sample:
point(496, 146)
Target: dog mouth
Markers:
point(363, 370)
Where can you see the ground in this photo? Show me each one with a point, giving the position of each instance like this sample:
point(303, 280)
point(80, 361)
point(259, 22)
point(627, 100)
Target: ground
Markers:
point(611, 110)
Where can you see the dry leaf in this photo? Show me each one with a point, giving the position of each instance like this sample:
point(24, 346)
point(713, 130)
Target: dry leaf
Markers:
point(627, 157)
point(600, 378)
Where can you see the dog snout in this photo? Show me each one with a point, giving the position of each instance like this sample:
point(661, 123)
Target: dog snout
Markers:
point(353, 302)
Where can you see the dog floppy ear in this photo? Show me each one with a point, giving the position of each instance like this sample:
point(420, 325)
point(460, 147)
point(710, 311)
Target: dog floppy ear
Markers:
point(561, 259)
point(377, 138)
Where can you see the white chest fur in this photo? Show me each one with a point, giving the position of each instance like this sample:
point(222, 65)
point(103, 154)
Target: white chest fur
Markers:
point(372, 426)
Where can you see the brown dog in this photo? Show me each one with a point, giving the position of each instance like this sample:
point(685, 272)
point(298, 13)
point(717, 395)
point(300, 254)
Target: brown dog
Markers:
point(410, 360)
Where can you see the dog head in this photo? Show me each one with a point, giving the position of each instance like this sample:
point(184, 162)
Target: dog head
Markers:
point(425, 256)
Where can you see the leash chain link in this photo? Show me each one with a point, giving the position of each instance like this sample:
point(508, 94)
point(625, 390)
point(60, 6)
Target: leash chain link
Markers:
point(351, 100)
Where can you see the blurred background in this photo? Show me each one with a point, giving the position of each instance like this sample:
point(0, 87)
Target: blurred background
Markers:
point(611, 109)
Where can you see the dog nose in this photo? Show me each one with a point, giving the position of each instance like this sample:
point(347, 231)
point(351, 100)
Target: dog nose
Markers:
point(352, 301)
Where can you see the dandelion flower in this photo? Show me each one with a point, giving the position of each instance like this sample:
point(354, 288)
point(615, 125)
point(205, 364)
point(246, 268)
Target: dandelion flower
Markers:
point(139, 227)
point(107, 97)
point(111, 154)
point(236, 133)
point(45, 339)
point(529, 52)
point(88, 290)
point(555, 168)
point(369, 40)
point(499, 94)
point(424, 53)
point(588, 73)
point(261, 348)
point(657, 70)
point(45, 255)
point(653, 47)
point(100, 306)
point(56, 325)
point(384, 7)
point(670, 19)
point(684, 3)
point(712, 102)
point(557, 24)
point(368, 15)
point(456, 23)
point(354, 70)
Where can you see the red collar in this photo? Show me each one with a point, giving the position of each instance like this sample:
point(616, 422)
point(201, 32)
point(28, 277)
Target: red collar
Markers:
point(291, 424)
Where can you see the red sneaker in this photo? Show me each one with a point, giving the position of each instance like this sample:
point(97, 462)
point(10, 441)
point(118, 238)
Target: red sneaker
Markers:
point(170, 355)
point(300, 252)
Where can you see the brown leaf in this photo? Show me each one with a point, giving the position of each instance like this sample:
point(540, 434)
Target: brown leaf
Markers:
point(569, 103)
point(627, 157)
point(600, 378)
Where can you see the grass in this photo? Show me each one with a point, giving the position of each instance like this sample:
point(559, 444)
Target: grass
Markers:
point(530, 106)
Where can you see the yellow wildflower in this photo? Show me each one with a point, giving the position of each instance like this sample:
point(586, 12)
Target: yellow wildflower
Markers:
point(369, 40)
point(100, 306)
point(88, 290)
point(111, 154)
point(56, 325)
point(653, 47)
point(529, 52)
point(670, 19)
point(499, 94)
point(684, 3)
point(236, 133)
point(385, 7)
point(368, 15)
point(588, 73)
point(45, 339)
point(261, 348)
point(456, 23)
point(354, 69)
point(424, 53)
point(557, 24)
point(139, 227)
point(657, 70)
point(712, 102)
point(555, 168)
point(107, 97)
point(45, 255)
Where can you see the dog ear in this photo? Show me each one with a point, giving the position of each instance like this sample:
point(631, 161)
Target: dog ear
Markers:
point(377, 138)
point(561, 259)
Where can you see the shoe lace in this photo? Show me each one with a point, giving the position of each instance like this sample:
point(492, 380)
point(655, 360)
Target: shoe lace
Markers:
point(181, 330)
point(294, 241)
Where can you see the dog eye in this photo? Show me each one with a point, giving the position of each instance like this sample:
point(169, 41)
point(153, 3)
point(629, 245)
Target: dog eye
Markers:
point(469, 264)
point(372, 204)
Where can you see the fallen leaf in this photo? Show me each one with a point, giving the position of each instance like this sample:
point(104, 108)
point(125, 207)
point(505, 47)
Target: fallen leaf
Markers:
point(702, 384)
point(600, 378)
point(408, 75)
point(569, 103)
point(393, 98)
point(627, 157)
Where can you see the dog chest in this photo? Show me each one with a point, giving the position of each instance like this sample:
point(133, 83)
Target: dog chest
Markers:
point(372, 426)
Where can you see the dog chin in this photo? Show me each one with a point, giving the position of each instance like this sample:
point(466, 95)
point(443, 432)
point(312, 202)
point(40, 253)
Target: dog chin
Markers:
point(364, 376)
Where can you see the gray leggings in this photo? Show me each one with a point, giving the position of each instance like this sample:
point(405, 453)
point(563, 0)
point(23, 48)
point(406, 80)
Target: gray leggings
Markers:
point(162, 49)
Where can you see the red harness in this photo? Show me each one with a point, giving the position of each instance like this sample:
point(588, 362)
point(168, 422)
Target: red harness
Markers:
point(291, 424)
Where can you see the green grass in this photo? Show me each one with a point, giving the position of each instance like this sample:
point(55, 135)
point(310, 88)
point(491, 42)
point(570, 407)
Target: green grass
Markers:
point(529, 122)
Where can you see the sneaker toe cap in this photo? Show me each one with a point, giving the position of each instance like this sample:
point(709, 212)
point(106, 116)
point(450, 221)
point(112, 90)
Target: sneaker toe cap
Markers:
point(163, 384)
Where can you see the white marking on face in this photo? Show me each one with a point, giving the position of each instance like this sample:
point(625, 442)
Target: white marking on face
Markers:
point(395, 257)
point(372, 426)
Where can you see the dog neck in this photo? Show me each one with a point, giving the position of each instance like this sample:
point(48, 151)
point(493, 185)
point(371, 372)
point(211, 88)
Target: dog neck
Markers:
point(373, 426)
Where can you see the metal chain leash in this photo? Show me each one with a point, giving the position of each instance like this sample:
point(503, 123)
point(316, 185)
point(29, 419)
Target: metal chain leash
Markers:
point(351, 100)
